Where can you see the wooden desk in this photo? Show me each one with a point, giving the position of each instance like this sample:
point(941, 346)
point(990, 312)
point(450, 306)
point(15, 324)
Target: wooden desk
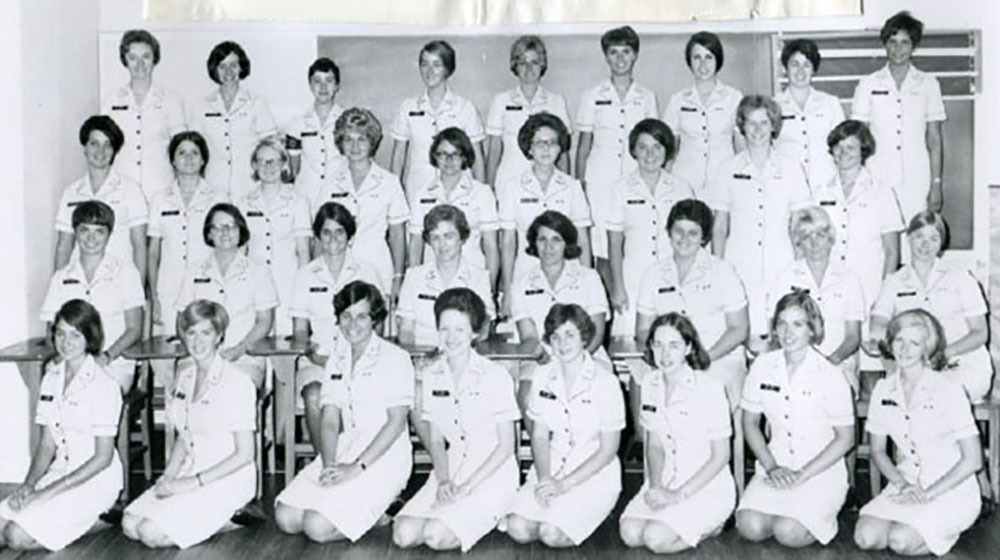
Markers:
point(159, 347)
point(29, 355)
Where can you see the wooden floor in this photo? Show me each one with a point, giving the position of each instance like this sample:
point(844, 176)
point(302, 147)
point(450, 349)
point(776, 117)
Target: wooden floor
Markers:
point(980, 542)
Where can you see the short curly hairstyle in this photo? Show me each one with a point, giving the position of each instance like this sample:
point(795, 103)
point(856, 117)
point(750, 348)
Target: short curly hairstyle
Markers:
point(356, 292)
point(905, 22)
point(561, 313)
point(753, 102)
point(854, 128)
point(559, 223)
point(526, 135)
point(361, 120)
point(808, 49)
point(138, 36)
point(220, 52)
point(463, 300)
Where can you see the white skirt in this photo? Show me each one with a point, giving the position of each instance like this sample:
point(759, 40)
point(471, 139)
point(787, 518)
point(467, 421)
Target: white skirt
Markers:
point(578, 512)
point(192, 517)
point(697, 517)
point(68, 515)
point(471, 517)
point(356, 505)
point(939, 522)
point(815, 503)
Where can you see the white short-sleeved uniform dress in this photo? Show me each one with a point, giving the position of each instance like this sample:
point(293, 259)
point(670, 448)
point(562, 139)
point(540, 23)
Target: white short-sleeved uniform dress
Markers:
point(124, 197)
point(802, 412)
point(840, 299)
point(521, 199)
point(804, 131)
point(244, 289)
point(180, 229)
point(476, 200)
point(206, 423)
point(509, 111)
point(421, 288)
point(382, 378)
point(376, 204)
point(705, 131)
point(696, 414)
point(232, 136)
point(114, 289)
point(860, 220)
point(274, 232)
point(467, 413)
point(952, 295)
point(641, 217)
point(148, 127)
point(576, 419)
point(75, 415)
point(926, 431)
point(610, 119)
point(313, 140)
point(759, 203)
point(312, 300)
point(417, 122)
point(710, 290)
point(898, 119)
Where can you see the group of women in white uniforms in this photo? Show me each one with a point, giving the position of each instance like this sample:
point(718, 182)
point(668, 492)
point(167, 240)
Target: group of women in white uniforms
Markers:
point(734, 221)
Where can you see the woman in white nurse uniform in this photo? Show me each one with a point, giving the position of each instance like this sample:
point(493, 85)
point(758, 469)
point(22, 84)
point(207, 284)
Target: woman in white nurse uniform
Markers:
point(904, 109)
point(688, 493)
point(703, 115)
point(637, 217)
point(753, 195)
point(232, 118)
point(149, 115)
point(279, 220)
point(75, 472)
point(313, 156)
point(800, 479)
point(808, 114)
point(578, 413)
point(176, 217)
point(211, 472)
point(951, 293)
point(468, 403)
point(420, 118)
point(932, 494)
point(528, 62)
point(365, 456)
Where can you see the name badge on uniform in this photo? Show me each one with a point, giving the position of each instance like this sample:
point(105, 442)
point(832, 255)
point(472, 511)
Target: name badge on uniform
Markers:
point(309, 133)
point(828, 203)
point(416, 113)
point(666, 289)
point(906, 294)
point(649, 408)
point(119, 107)
point(74, 203)
point(336, 376)
point(636, 201)
point(179, 395)
point(515, 108)
point(770, 387)
point(255, 214)
point(889, 402)
point(689, 109)
point(440, 393)
point(428, 200)
point(211, 115)
point(602, 102)
point(529, 200)
point(880, 92)
point(318, 289)
point(547, 395)
point(170, 213)
point(743, 176)
point(534, 292)
point(67, 281)
point(799, 289)
point(338, 194)
point(430, 297)
point(293, 143)
point(787, 117)
point(202, 280)
point(45, 398)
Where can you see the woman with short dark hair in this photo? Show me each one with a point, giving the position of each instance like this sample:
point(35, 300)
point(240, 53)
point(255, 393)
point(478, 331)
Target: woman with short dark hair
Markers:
point(232, 118)
point(75, 472)
point(309, 136)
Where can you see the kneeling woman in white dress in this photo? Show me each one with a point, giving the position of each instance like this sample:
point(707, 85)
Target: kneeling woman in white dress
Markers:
point(468, 403)
point(578, 412)
point(210, 473)
point(365, 454)
point(932, 494)
point(75, 473)
point(800, 479)
point(689, 492)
